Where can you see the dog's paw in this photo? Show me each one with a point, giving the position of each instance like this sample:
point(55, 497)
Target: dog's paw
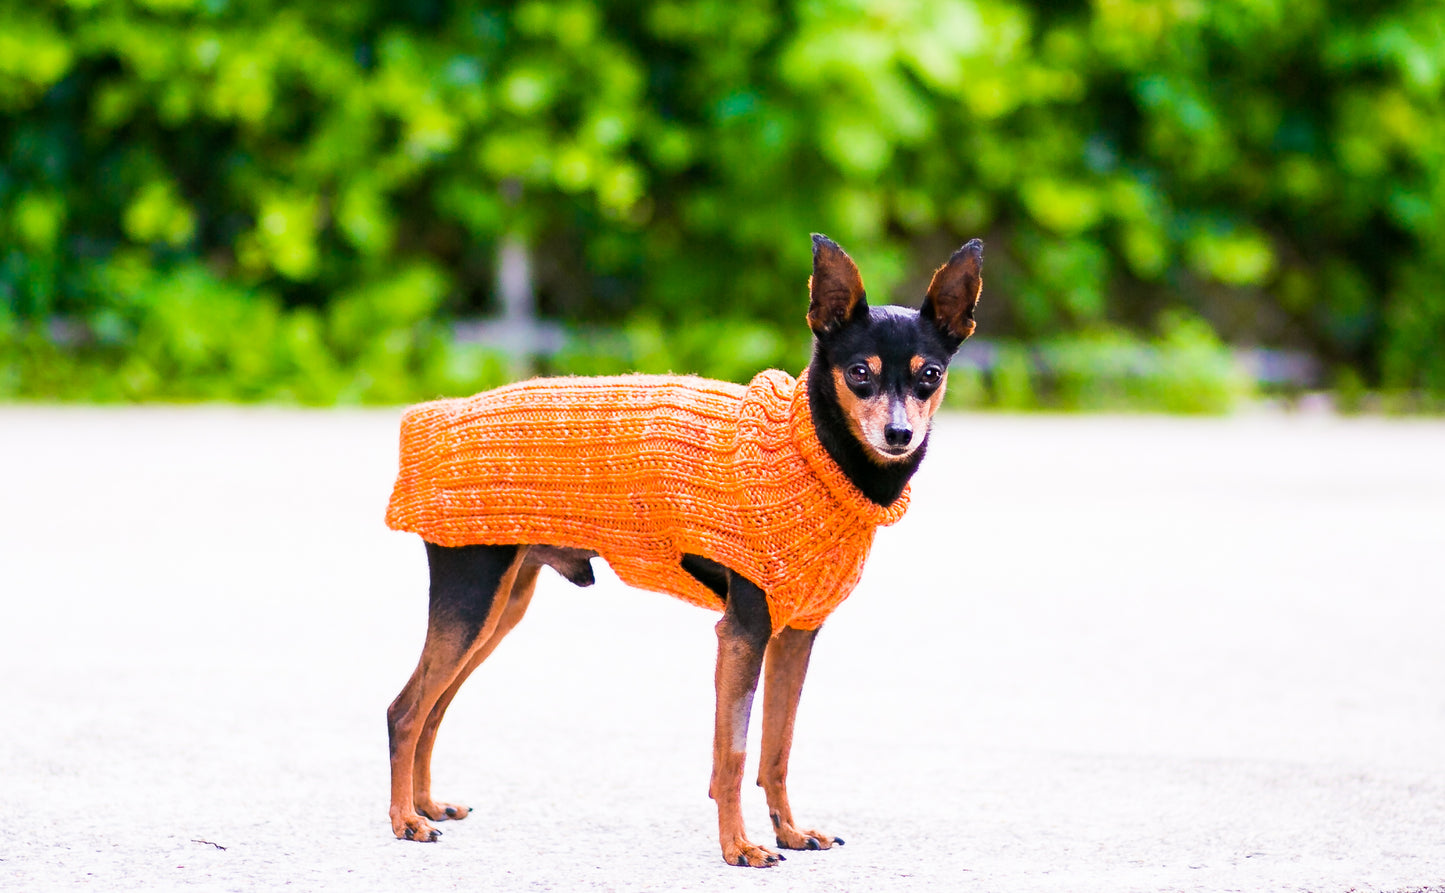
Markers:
point(744, 855)
point(440, 812)
point(414, 827)
point(790, 838)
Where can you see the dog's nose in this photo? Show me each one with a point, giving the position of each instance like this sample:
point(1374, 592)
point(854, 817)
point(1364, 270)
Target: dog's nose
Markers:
point(898, 435)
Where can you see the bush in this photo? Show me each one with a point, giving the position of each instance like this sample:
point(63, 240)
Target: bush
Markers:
point(1185, 370)
point(276, 168)
point(186, 335)
point(732, 350)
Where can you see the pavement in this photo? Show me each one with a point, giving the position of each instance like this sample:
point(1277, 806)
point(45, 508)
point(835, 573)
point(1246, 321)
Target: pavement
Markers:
point(1099, 654)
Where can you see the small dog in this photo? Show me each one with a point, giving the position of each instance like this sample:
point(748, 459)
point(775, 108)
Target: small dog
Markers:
point(758, 501)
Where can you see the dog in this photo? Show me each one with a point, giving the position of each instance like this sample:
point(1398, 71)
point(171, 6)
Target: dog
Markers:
point(758, 501)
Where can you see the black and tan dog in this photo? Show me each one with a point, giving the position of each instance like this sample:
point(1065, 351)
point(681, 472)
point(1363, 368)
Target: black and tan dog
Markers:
point(807, 470)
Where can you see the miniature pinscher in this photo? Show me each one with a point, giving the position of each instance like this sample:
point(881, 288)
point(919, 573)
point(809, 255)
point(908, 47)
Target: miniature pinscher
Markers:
point(839, 445)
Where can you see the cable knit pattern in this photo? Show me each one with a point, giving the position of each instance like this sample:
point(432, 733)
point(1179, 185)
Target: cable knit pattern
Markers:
point(641, 469)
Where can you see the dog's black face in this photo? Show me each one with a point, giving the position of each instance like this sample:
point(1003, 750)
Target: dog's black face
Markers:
point(886, 366)
point(888, 372)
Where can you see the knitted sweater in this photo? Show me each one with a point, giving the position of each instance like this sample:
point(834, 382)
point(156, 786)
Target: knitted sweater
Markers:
point(641, 469)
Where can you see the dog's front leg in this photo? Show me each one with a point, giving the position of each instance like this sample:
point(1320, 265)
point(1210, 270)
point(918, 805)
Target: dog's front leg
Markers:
point(787, 665)
point(742, 639)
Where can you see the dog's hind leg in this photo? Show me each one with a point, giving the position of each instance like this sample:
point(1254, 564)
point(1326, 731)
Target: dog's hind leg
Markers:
point(787, 664)
point(742, 638)
point(516, 606)
point(469, 587)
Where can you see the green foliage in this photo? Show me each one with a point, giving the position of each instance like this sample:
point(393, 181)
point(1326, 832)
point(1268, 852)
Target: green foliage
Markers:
point(1185, 370)
point(1013, 380)
point(186, 335)
point(728, 349)
point(272, 200)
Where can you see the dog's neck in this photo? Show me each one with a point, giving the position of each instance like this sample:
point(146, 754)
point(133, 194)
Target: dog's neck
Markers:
point(882, 484)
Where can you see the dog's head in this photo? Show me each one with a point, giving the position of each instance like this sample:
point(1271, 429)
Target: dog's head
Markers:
point(888, 365)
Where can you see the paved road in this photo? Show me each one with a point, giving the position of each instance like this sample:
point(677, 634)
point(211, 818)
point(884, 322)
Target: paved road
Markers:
point(1098, 655)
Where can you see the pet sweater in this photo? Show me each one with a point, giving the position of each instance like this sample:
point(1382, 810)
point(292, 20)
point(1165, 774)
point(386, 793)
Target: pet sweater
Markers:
point(642, 469)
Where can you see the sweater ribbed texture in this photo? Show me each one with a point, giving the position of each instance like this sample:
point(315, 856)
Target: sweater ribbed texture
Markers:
point(642, 469)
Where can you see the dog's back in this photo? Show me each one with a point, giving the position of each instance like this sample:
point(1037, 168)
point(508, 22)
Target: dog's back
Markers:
point(517, 454)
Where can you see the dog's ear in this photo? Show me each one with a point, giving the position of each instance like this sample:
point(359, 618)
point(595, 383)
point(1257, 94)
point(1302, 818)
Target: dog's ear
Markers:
point(835, 290)
point(953, 294)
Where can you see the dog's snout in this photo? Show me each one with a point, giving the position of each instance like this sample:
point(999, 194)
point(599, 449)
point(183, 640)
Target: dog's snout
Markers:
point(898, 433)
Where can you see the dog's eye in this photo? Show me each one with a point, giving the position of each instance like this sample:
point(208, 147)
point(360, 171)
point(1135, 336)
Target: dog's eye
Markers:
point(858, 373)
point(930, 376)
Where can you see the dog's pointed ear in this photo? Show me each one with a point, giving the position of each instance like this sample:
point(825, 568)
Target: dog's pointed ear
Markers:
point(835, 290)
point(953, 294)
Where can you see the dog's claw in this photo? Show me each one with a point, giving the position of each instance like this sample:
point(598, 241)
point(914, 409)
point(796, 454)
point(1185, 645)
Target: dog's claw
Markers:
point(442, 812)
point(749, 855)
point(423, 834)
point(792, 838)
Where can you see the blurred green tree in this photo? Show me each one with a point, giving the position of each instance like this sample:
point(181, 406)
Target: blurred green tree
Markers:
point(204, 198)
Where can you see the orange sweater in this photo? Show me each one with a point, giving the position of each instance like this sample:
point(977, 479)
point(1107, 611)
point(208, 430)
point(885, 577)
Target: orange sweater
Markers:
point(641, 469)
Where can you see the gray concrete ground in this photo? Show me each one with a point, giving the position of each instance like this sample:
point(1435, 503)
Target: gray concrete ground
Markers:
point(1100, 654)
